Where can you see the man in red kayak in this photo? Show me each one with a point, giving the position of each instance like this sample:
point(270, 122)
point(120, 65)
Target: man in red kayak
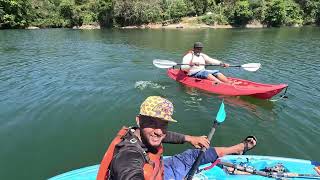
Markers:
point(136, 153)
point(197, 61)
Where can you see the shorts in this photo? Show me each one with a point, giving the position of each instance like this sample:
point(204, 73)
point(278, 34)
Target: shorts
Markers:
point(203, 74)
point(178, 166)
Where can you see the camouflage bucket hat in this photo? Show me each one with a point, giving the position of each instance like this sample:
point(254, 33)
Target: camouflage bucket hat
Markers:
point(158, 107)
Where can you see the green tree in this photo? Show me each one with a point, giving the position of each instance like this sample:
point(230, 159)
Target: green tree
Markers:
point(77, 13)
point(46, 14)
point(2, 13)
point(105, 12)
point(242, 13)
point(14, 13)
point(123, 12)
point(147, 11)
point(71, 13)
point(317, 16)
point(132, 12)
point(259, 9)
point(283, 12)
point(66, 9)
point(88, 12)
point(276, 13)
point(164, 10)
point(177, 9)
point(294, 14)
point(191, 10)
point(200, 6)
point(80, 2)
point(211, 6)
point(217, 15)
point(310, 9)
point(68, 13)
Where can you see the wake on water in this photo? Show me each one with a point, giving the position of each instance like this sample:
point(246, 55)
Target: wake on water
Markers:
point(148, 84)
point(191, 101)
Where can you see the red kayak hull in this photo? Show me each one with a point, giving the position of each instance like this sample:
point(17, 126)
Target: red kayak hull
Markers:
point(240, 87)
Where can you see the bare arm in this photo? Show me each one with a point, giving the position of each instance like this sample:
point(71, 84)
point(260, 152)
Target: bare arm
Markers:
point(174, 138)
point(210, 60)
point(177, 138)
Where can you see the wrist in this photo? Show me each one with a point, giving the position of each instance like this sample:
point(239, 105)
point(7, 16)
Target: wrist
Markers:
point(187, 138)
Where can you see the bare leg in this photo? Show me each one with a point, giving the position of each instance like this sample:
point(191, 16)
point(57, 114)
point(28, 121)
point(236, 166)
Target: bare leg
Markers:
point(223, 78)
point(236, 149)
point(213, 78)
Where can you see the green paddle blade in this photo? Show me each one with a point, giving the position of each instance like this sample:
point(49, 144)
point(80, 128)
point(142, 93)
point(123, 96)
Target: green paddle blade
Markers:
point(221, 115)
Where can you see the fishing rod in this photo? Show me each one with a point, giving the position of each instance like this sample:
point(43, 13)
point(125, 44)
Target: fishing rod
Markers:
point(275, 175)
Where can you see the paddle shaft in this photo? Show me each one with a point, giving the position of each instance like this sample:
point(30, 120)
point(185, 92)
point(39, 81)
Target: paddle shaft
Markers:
point(252, 67)
point(196, 164)
point(180, 64)
point(269, 174)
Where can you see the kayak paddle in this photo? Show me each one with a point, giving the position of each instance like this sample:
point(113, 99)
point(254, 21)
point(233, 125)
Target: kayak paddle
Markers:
point(221, 116)
point(169, 64)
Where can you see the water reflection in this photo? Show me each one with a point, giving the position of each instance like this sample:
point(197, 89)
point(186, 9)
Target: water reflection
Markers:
point(262, 109)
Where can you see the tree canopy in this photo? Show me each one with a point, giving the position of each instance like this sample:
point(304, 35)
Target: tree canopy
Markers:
point(110, 13)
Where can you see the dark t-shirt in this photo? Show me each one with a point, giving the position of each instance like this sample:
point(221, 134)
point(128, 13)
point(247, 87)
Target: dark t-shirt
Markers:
point(129, 158)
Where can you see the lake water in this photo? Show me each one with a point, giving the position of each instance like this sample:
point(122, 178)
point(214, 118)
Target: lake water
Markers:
point(65, 93)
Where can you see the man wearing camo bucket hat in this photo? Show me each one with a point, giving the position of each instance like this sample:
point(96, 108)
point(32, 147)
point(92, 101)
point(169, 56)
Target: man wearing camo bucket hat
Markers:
point(136, 153)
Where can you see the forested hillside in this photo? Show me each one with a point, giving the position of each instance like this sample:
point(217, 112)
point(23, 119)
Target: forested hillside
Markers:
point(111, 13)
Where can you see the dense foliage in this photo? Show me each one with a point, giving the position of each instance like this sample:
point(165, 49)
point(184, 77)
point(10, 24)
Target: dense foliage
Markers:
point(136, 12)
point(14, 14)
point(110, 13)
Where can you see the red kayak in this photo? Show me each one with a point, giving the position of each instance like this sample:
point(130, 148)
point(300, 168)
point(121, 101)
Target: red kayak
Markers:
point(240, 87)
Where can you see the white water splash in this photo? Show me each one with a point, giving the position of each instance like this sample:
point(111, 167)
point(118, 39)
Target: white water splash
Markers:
point(192, 102)
point(148, 84)
point(194, 99)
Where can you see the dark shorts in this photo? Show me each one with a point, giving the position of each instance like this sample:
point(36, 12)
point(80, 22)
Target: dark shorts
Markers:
point(203, 74)
point(176, 167)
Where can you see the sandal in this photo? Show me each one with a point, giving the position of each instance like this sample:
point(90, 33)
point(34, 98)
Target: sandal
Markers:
point(246, 142)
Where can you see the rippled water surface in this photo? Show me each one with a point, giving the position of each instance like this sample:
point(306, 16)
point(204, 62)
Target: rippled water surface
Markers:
point(65, 93)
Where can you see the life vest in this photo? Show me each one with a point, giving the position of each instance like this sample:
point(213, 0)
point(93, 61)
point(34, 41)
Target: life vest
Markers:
point(153, 168)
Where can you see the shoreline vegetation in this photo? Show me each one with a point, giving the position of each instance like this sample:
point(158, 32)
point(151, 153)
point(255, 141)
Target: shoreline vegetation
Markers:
point(157, 14)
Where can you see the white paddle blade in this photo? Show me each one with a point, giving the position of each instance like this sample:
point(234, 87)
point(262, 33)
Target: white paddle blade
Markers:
point(251, 66)
point(164, 63)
